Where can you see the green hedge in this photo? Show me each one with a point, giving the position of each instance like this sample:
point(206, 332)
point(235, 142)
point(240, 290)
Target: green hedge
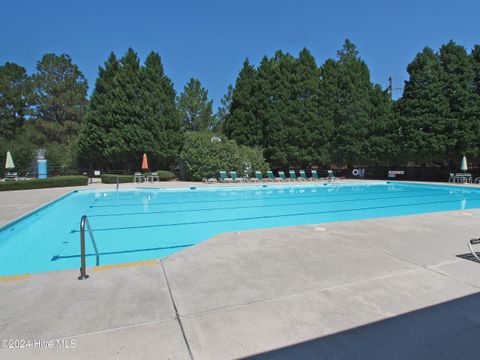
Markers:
point(55, 181)
point(112, 178)
point(163, 175)
point(203, 158)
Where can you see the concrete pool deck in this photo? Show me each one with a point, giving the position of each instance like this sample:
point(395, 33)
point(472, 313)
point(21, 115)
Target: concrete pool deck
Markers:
point(396, 288)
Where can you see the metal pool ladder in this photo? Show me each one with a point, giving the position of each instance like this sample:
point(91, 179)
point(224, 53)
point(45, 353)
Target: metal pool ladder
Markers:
point(83, 268)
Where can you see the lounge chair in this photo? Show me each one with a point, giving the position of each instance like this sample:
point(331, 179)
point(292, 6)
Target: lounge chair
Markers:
point(282, 176)
point(259, 176)
point(224, 177)
point(474, 241)
point(11, 176)
point(153, 177)
point(209, 180)
point(463, 178)
point(272, 177)
point(293, 176)
point(332, 177)
point(452, 178)
point(138, 177)
point(304, 176)
point(234, 176)
point(315, 176)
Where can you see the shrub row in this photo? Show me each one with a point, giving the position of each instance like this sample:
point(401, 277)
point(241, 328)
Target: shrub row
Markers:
point(204, 158)
point(55, 181)
point(163, 175)
point(112, 178)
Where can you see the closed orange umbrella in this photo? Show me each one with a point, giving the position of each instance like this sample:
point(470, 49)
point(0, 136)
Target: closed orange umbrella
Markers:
point(145, 162)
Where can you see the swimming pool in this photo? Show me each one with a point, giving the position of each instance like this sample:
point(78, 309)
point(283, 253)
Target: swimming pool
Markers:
point(140, 224)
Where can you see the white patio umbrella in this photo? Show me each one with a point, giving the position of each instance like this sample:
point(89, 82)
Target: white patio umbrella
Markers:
point(9, 161)
point(464, 166)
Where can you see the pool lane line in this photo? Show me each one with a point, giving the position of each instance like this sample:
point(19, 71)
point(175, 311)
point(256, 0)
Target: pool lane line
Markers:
point(297, 195)
point(287, 215)
point(20, 277)
point(257, 206)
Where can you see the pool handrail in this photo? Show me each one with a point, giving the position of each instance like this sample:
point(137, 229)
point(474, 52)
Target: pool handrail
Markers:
point(83, 268)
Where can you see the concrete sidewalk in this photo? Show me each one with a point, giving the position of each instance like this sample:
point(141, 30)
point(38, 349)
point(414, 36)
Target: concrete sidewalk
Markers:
point(390, 288)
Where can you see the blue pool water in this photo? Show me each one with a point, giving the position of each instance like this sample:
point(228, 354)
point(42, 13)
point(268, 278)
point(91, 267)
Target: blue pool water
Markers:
point(141, 224)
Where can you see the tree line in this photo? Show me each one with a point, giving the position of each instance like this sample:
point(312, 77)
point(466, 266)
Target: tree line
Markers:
point(294, 111)
point(302, 114)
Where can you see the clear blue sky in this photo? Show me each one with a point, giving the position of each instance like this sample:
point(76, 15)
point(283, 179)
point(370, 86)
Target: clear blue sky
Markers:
point(210, 39)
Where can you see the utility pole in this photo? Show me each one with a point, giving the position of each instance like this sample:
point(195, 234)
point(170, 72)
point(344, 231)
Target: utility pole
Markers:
point(394, 87)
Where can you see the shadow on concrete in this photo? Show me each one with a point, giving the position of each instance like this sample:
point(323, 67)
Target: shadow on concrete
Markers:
point(60, 257)
point(470, 257)
point(449, 330)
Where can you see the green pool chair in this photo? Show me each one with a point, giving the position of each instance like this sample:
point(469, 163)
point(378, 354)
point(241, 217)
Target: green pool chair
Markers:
point(235, 178)
point(281, 176)
point(293, 175)
point(272, 177)
point(259, 176)
point(303, 175)
point(224, 177)
point(332, 177)
point(315, 176)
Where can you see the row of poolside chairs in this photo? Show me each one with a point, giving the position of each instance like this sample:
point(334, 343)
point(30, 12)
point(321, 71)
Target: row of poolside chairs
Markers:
point(138, 177)
point(280, 178)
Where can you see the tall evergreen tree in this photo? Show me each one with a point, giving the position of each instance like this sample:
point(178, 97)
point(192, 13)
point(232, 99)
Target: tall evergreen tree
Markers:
point(274, 79)
point(59, 97)
point(242, 124)
point(223, 111)
point(100, 117)
point(295, 133)
point(195, 107)
point(132, 111)
point(459, 91)
point(163, 121)
point(14, 95)
point(475, 61)
point(381, 144)
point(353, 111)
point(423, 110)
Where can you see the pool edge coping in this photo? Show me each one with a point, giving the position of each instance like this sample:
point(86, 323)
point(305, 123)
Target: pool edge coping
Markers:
point(34, 211)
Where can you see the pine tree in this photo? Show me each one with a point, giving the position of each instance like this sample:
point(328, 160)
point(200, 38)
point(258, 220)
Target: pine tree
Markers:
point(132, 111)
point(351, 115)
point(195, 107)
point(14, 95)
point(459, 91)
point(163, 123)
point(381, 144)
point(59, 97)
point(242, 124)
point(100, 120)
point(423, 111)
point(223, 111)
point(275, 77)
point(475, 61)
point(311, 131)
